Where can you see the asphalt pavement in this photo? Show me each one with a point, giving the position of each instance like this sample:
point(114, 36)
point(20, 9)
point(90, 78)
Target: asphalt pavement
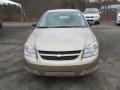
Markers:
point(13, 75)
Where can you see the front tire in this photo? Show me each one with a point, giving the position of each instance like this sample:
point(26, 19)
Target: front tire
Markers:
point(117, 24)
point(97, 22)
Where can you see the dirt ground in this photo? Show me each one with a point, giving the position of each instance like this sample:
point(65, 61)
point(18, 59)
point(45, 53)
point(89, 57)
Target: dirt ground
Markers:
point(13, 76)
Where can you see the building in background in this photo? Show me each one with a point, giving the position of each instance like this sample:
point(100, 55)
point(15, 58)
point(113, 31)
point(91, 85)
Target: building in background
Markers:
point(101, 0)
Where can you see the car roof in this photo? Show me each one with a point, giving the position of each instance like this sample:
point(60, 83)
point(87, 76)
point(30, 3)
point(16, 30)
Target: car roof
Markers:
point(91, 8)
point(63, 10)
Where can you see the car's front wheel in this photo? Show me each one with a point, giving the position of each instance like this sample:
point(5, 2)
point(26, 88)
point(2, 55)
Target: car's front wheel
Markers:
point(97, 22)
point(117, 24)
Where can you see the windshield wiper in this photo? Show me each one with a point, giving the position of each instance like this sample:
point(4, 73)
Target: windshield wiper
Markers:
point(43, 27)
point(65, 26)
point(59, 27)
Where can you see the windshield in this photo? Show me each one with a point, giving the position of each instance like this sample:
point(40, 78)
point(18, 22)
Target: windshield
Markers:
point(62, 19)
point(91, 11)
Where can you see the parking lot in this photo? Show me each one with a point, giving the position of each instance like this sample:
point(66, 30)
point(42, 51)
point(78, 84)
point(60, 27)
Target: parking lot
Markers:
point(13, 76)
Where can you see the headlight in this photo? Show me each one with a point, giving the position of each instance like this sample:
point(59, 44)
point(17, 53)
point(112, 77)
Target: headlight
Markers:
point(96, 16)
point(91, 50)
point(29, 50)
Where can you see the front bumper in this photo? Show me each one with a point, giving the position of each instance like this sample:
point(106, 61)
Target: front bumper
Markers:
point(75, 70)
point(93, 20)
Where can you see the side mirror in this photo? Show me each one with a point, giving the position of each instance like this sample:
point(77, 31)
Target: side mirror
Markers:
point(34, 24)
point(83, 12)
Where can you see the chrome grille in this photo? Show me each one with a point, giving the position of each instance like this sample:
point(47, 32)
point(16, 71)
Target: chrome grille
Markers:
point(89, 17)
point(59, 55)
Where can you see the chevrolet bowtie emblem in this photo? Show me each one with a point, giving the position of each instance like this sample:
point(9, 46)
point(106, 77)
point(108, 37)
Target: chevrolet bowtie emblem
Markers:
point(59, 55)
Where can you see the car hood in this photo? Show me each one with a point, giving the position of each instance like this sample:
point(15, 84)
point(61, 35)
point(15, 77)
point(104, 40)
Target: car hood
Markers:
point(62, 39)
point(89, 14)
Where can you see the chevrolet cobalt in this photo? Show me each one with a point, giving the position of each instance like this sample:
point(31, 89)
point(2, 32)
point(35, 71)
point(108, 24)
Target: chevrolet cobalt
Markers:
point(62, 44)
